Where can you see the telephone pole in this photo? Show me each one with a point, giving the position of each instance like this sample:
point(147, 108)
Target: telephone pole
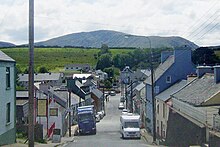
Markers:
point(31, 75)
point(152, 91)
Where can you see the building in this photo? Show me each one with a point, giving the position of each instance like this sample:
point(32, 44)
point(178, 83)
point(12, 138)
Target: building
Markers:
point(175, 66)
point(53, 79)
point(193, 111)
point(101, 75)
point(77, 67)
point(163, 104)
point(7, 100)
point(140, 102)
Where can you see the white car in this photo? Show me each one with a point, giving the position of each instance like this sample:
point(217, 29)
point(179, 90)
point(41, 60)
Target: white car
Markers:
point(97, 118)
point(121, 106)
point(124, 111)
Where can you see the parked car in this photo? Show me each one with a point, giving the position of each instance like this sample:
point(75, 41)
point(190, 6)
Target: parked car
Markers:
point(112, 93)
point(122, 99)
point(97, 118)
point(121, 105)
point(124, 111)
point(101, 114)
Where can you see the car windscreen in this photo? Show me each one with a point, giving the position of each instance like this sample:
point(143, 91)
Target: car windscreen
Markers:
point(131, 125)
point(85, 116)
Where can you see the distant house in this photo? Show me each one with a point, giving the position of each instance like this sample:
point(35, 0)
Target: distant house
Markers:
point(140, 101)
point(126, 75)
point(53, 79)
point(194, 111)
point(7, 100)
point(175, 66)
point(77, 67)
point(101, 75)
point(142, 74)
point(97, 96)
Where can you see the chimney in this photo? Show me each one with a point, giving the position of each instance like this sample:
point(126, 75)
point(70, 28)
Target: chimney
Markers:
point(165, 55)
point(217, 73)
point(201, 70)
point(183, 54)
point(191, 77)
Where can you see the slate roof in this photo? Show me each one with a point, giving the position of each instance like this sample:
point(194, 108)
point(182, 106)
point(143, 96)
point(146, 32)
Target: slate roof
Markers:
point(41, 77)
point(147, 72)
point(140, 86)
point(4, 57)
point(161, 69)
point(22, 94)
point(165, 95)
point(199, 90)
point(97, 92)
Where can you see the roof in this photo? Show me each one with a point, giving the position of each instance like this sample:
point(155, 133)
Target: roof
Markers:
point(147, 72)
point(140, 86)
point(161, 69)
point(4, 57)
point(127, 69)
point(81, 76)
point(97, 92)
point(90, 83)
point(22, 94)
point(199, 90)
point(165, 95)
point(41, 77)
point(21, 102)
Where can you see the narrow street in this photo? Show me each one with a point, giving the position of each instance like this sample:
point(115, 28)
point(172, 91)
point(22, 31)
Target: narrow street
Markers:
point(108, 134)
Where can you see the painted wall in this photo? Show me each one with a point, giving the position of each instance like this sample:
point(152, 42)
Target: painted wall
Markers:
point(178, 71)
point(7, 130)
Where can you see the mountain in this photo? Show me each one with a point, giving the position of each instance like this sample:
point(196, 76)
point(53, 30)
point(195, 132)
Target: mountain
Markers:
point(6, 44)
point(115, 39)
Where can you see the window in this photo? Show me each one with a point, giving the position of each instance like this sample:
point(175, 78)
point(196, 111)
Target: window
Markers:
point(158, 111)
point(8, 109)
point(164, 110)
point(168, 79)
point(156, 89)
point(8, 77)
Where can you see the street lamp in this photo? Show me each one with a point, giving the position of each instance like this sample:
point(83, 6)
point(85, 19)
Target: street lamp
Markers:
point(152, 84)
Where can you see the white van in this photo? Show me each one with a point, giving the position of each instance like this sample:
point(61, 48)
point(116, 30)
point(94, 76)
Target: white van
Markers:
point(130, 126)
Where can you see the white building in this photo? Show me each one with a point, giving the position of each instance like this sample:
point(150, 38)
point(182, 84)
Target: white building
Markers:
point(7, 100)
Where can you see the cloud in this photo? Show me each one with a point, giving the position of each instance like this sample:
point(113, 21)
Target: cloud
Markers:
point(153, 17)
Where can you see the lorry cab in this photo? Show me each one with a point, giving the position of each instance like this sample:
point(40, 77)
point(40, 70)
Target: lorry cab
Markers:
point(130, 126)
point(86, 120)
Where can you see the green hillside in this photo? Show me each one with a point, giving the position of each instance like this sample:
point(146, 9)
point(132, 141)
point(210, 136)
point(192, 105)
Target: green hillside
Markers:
point(54, 59)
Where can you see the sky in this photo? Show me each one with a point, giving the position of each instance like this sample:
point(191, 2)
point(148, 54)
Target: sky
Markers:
point(195, 20)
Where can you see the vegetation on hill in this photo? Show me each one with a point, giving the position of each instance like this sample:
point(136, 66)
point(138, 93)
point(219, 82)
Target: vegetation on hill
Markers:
point(54, 59)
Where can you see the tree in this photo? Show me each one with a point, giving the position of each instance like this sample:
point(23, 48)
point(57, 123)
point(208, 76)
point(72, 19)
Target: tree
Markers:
point(43, 69)
point(204, 55)
point(110, 71)
point(104, 50)
point(104, 61)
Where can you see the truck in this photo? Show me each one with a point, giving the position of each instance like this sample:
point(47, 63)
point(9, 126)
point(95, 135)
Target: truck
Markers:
point(86, 119)
point(130, 126)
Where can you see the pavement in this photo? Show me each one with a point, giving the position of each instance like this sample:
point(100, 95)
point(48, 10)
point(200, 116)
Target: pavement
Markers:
point(64, 140)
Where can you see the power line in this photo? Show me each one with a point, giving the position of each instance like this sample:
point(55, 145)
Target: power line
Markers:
point(201, 28)
point(198, 21)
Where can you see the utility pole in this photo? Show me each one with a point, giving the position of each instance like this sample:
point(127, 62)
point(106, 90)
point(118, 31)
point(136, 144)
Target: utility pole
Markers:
point(131, 97)
point(152, 92)
point(103, 102)
point(69, 113)
point(31, 75)
point(126, 95)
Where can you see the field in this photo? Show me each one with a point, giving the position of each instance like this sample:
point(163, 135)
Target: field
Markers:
point(54, 59)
